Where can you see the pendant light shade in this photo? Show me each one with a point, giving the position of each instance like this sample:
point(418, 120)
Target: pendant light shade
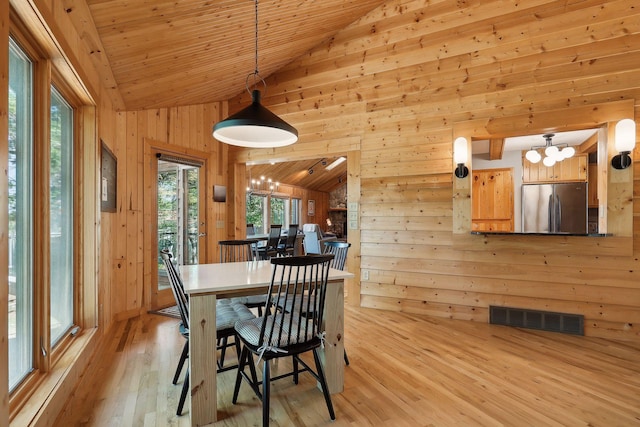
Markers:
point(255, 127)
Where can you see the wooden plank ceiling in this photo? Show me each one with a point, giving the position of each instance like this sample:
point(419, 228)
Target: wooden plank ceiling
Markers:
point(167, 53)
point(297, 173)
point(160, 54)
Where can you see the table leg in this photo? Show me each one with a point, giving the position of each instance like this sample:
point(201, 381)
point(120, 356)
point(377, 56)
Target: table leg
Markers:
point(334, 344)
point(202, 360)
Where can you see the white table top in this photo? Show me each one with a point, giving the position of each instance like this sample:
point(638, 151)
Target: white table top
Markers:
point(234, 276)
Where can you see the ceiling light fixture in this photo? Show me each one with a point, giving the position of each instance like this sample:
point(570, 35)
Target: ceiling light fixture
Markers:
point(552, 152)
point(336, 162)
point(321, 161)
point(262, 185)
point(255, 126)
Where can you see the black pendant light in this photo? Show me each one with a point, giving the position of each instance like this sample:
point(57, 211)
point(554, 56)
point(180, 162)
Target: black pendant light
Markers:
point(255, 126)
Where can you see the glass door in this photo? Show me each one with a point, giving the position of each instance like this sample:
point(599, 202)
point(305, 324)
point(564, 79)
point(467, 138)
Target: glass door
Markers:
point(180, 223)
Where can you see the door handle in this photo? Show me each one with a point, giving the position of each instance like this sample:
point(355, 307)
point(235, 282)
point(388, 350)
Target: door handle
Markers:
point(202, 234)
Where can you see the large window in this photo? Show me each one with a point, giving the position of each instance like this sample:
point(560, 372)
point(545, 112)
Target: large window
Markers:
point(278, 211)
point(20, 175)
point(42, 288)
point(61, 216)
point(255, 212)
point(295, 211)
point(264, 209)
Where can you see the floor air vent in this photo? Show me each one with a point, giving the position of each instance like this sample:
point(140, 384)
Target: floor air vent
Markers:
point(534, 319)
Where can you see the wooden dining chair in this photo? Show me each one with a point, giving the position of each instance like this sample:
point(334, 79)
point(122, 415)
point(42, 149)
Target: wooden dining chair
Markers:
point(287, 248)
point(236, 250)
point(339, 251)
point(271, 248)
point(241, 251)
point(286, 334)
point(227, 314)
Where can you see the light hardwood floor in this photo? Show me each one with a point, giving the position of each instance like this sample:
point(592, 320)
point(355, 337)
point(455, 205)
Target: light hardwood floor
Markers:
point(406, 370)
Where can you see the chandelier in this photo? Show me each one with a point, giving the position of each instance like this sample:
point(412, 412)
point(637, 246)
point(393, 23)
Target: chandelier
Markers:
point(262, 186)
point(553, 153)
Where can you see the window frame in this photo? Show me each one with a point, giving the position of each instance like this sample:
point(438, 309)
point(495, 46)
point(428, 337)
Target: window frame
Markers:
point(46, 75)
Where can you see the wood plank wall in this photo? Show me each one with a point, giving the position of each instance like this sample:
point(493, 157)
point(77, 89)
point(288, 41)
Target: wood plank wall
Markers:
point(386, 91)
point(397, 80)
point(177, 130)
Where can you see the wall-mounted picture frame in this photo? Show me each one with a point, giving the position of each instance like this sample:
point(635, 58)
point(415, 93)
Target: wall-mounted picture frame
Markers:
point(108, 179)
point(311, 208)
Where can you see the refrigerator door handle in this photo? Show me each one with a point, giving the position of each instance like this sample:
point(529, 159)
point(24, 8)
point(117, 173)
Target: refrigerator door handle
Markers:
point(558, 214)
point(550, 215)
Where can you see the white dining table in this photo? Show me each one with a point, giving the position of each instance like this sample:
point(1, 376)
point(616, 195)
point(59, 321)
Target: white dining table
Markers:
point(204, 283)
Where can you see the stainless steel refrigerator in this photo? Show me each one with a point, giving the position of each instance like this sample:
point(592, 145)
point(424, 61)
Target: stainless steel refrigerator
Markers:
point(559, 208)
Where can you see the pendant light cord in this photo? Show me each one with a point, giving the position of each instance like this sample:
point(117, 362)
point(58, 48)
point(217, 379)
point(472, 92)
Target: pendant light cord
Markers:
point(256, 69)
point(257, 78)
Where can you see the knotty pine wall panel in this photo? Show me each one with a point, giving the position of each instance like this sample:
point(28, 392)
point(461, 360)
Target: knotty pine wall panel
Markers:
point(181, 128)
point(398, 79)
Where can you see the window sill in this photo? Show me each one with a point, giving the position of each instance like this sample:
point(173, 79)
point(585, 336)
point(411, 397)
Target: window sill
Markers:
point(53, 389)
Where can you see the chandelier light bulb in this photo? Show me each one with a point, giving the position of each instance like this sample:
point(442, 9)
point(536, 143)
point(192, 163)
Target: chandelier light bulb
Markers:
point(558, 156)
point(568, 152)
point(533, 156)
point(549, 161)
point(551, 150)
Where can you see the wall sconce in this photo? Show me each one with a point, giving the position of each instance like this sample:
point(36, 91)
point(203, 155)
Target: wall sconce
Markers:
point(625, 142)
point(460, 156)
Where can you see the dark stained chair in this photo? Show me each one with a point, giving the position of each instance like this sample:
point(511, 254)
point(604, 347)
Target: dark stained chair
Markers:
point(287, 248)
point(271, 248)
point(286, 334)
point(339, 251)
point(240, 251)
point(227, 315)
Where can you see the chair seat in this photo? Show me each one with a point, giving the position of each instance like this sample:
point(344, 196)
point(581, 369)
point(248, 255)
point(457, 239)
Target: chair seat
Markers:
point(250, 300)
point(293, 331)
point(228, 314)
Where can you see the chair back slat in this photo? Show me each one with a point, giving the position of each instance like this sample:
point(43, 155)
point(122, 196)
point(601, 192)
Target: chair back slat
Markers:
point(291, 277)
point(339, 250)
point(177, 287)
point(236, 250)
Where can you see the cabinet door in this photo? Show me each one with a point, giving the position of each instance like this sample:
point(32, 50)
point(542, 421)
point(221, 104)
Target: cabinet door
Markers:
point(492, 200)
point(571, 169)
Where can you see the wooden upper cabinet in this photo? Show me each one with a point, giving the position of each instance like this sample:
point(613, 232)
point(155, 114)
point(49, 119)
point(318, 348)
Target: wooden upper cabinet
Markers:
point(492, 200)
point(571, 169)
